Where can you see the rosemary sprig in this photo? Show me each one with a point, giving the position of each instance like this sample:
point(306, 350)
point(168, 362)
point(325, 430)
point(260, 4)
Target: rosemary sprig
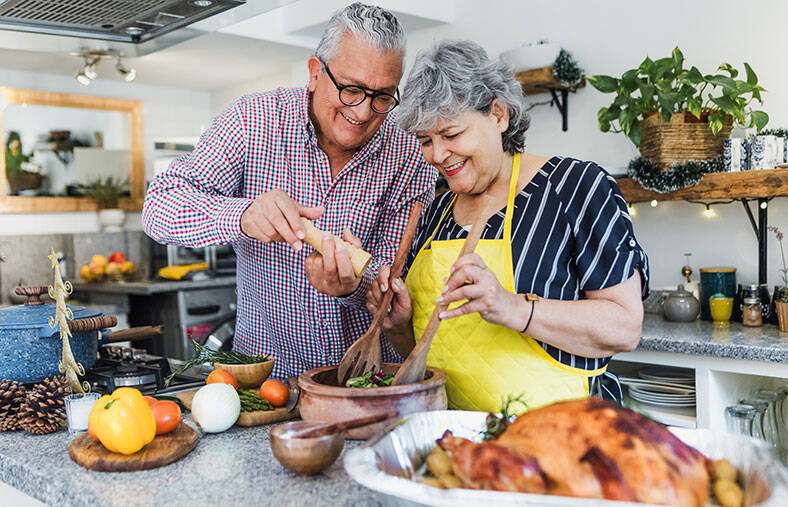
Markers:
point(204, 355)
point(497, 424)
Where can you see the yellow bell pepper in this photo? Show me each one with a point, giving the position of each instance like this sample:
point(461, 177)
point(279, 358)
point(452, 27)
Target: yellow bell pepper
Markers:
point(123, 421)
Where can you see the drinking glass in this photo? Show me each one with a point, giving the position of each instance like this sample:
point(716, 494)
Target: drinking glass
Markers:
point(78, 407)
point(739, 419)
point(721, 309)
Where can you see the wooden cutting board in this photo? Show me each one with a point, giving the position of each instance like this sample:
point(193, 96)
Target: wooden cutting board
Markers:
point(255, 418)
point(163, 450)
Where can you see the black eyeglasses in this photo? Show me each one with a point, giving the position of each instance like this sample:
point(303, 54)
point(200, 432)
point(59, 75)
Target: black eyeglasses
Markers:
point(352, 95)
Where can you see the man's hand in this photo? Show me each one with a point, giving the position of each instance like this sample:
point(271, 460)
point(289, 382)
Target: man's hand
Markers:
point(332, 273)
point(399, 311)
point(275, 216)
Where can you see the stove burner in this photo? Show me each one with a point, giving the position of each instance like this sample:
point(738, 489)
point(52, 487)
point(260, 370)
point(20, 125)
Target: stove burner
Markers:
point(124, 367)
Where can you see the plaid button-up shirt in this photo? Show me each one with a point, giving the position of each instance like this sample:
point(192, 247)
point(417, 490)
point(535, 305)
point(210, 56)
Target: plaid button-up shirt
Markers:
point(266, 141)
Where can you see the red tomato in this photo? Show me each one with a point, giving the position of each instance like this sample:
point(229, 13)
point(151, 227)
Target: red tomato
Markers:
point(117, 257)
point(167, 414)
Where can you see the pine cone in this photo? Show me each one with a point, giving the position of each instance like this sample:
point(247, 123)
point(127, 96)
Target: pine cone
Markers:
point(12, 395)
point(44, 410)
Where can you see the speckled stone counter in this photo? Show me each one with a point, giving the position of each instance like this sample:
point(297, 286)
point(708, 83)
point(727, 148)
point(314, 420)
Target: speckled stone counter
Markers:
point(147, 288)
point(703, 338)
point(231, 468)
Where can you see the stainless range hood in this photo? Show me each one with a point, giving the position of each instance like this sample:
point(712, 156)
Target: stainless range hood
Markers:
point(132, 21)
point(129, 27)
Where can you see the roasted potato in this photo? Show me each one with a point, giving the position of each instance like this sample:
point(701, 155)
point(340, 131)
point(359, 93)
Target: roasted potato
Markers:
point(439, 463)
point(433, 481)
point(450, 481)
point(728, 493)
point(724, 470)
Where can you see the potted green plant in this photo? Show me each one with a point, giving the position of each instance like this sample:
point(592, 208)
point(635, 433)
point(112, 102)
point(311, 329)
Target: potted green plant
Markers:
point(673, 114)
point(107, 192)
point(781, 292)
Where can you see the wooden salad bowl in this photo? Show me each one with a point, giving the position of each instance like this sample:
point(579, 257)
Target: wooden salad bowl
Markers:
point(322, 400)
point(249, 376)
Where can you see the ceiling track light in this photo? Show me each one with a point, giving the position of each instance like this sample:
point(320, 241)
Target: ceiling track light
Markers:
point(92, 58)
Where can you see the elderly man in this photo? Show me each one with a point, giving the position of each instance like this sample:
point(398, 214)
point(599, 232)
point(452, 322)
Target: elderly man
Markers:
point(328, 152)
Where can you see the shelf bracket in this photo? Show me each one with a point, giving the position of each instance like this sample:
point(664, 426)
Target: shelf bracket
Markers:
point(562, 103)
point(760, 233)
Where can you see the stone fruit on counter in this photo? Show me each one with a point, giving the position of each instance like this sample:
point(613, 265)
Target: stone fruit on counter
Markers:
point(222, 377)
point(216, 407)
point(123, 421)
point(167, 415)
point(117, 257)
point(275, 392)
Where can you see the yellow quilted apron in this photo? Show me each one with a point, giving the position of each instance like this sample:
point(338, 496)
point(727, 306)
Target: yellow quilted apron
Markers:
point(484, 362)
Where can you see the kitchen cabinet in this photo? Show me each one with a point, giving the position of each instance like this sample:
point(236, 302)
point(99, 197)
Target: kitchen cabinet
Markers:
point(730, 363)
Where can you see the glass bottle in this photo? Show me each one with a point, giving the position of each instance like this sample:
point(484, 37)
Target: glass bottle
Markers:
point(751, 312)
point(739, 419)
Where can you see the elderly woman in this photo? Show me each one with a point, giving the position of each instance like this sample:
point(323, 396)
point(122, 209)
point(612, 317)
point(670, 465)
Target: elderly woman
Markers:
point(554, 287)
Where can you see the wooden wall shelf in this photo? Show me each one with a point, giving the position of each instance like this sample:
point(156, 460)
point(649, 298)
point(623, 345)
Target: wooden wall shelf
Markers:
point(762, 184)
point(541, 80)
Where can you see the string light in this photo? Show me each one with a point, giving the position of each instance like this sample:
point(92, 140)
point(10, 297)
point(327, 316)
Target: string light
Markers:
point(708, 211)
point(764, 204)
point(632, 211)
point(654, 203)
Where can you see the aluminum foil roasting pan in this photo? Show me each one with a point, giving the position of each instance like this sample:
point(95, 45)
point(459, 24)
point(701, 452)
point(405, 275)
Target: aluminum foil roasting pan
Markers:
point(386, 463)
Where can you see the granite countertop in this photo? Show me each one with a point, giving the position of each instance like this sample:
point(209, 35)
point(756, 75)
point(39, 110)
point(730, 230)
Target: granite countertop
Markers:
point(703, 338)
point(231, 468)
point(146, 288)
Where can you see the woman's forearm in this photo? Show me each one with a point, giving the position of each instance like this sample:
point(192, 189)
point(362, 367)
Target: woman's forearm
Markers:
point(402, 338)
point(594, 327)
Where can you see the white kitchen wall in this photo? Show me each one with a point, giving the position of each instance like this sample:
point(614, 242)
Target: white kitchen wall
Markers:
point(167, 112)
point(611, 36)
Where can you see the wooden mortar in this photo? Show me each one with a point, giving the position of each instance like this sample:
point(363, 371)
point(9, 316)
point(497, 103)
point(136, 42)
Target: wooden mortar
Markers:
point(321, 400)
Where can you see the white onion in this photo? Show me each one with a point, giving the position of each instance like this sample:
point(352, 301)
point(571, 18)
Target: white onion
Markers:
point(216, 407)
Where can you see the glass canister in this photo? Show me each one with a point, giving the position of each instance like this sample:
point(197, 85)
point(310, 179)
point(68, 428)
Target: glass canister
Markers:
point(751, 315)
point(766, 305)
point(743, 290)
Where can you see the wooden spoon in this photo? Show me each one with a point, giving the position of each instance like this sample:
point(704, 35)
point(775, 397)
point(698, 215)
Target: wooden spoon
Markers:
point(364, 354)
point(328, 428)
point(412, 370)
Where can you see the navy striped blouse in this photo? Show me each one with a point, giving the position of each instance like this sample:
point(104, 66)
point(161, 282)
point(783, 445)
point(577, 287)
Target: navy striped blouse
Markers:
point(571, 232)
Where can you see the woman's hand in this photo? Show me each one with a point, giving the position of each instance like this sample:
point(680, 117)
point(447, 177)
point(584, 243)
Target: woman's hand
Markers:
point(471, 279)
point(399, 314)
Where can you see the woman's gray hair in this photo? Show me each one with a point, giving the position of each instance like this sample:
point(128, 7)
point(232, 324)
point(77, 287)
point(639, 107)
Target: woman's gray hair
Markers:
point(369, 23)
point(456, 76)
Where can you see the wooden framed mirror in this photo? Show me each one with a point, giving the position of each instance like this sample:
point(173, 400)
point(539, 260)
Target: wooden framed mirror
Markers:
point(61, 141)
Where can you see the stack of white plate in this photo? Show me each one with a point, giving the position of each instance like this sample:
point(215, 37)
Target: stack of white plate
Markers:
point(665, 387)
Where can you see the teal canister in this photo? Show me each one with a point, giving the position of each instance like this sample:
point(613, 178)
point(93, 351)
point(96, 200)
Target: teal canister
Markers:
point(714, 281)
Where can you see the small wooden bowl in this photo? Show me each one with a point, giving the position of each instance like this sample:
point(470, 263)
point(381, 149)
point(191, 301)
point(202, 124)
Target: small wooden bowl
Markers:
point(249, 376)
point(306, 456)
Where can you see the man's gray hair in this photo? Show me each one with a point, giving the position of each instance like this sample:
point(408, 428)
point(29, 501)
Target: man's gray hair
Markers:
point(456, 76)
point(369, 23)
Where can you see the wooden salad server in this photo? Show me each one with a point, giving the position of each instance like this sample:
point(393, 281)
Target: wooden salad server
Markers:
point(322, 429)
point(412, 370)
point(364, 354)
point(314, 238)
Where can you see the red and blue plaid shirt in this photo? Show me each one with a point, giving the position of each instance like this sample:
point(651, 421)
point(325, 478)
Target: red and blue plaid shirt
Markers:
point(267, 141)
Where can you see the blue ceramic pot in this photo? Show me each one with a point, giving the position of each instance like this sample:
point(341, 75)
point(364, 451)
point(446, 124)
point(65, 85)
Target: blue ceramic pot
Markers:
point(30, 350)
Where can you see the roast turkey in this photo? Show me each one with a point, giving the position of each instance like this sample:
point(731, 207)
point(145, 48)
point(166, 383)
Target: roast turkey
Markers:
point(585, 448)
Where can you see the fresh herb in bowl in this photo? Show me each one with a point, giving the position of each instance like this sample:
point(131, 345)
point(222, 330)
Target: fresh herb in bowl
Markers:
point(370, 379)
point(497, 423)
point(204, 355)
